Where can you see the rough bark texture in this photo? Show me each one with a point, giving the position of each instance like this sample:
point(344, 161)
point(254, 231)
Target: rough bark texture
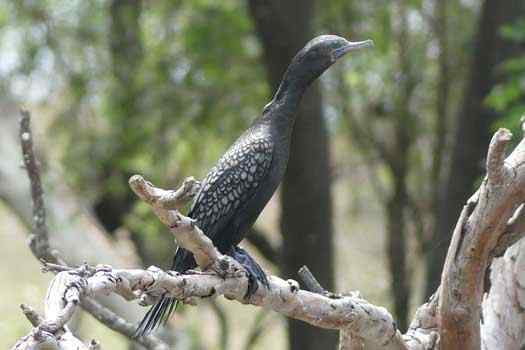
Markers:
point(503, 325)
point(356, 316)
point(284, 27)
point(358, 321)
point(473, 126)
point(483, 221)
point(491, 220)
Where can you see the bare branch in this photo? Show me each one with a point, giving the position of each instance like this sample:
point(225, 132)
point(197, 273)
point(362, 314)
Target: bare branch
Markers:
point(38, 240)
point(187, 234)
point(514, 231)
point(490, 221)
point(351, 313)
point(61, 309)
point(120, 325)
point(496, 169)
point(71, 287)
point(31, 315)
point(348, 313)
point(312, 284)
point(165, 199)
point(503, 325)
point(221, 275)
point(474, 240)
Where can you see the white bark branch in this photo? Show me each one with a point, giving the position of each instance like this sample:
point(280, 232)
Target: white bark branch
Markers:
point(496, 169)
point(58, 310)
point(450, 320)
point(352, 314)
point(70, 224)
point(480, 232)
point(221, 275)
point(503, 321)
point(186, 233)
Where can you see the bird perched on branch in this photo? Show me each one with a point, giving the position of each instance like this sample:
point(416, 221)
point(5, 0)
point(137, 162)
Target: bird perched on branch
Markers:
point(244, 179)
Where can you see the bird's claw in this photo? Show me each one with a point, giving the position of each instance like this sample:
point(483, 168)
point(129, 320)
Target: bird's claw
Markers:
point(254, 272)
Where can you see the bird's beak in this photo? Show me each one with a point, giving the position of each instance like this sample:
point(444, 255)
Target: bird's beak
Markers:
point(350, 46)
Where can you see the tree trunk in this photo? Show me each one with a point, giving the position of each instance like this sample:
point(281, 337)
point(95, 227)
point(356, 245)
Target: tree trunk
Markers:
point(284, 27)
point(398, 164)
point(396, 228)
point(126, 54)
point(472, 128)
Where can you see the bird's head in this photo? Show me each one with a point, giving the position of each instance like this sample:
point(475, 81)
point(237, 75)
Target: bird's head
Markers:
point(321, 52)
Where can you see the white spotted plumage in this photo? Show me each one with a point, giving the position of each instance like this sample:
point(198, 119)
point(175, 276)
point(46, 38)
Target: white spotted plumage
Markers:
point(232, 181)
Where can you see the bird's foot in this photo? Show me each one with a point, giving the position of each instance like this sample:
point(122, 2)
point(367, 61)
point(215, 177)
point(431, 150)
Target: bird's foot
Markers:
point(256, 274)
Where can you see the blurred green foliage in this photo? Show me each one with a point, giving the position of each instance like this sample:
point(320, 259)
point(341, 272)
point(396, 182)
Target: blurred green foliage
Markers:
point(161, 88)
point(508, 97)
point(165, 103)
point(188, 95)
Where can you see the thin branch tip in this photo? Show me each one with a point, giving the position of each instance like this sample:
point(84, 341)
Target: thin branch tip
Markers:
point(504, 134)
point(311, 283)
point(136, 179)
point(497, 171)
point(32, 316)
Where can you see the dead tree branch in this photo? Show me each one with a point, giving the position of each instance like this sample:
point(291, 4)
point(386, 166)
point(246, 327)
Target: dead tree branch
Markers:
point(483, 223)
point(60, 307)
point(503, 325)
point(220, 275)
point(69, 223)
point(450, 320)
point(351, 313)
point(38, 240)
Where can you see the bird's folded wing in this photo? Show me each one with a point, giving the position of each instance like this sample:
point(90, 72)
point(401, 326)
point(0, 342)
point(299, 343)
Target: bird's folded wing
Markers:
point(233, 181)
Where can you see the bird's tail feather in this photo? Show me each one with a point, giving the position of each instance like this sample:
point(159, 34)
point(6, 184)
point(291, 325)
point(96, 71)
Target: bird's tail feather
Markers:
point(157, 314)
point(162, 310)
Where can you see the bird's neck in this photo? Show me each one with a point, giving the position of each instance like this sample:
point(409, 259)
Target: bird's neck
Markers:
point(282, 109)
point(292, 87)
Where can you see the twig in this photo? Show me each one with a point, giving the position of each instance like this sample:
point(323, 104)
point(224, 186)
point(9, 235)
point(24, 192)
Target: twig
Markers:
point(58, 314)
point(311, 283)
point(187, 234)
point(38, 240)
point(496, 169)
point(31, 315)
point(120, 325)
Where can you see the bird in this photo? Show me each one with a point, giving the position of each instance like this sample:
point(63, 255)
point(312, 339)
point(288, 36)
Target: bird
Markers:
point(241, 183)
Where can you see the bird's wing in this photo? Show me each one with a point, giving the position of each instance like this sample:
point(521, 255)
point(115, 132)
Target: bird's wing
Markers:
point(234, 180)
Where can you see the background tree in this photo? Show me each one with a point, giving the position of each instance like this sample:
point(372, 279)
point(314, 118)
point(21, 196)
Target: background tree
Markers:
point(473, 123)
point(284, 28)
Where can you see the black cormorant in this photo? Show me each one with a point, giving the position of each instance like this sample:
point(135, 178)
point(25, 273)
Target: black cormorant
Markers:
point(237, 188)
